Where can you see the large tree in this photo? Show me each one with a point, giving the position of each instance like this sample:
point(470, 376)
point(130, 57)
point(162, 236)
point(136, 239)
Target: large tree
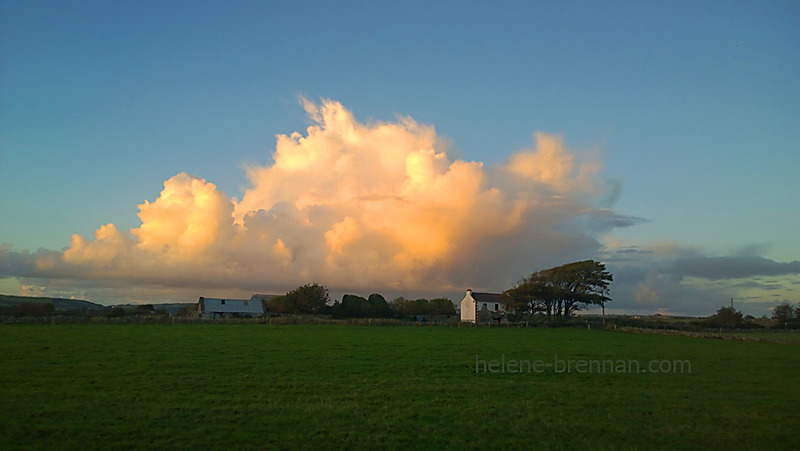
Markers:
point(309, 298)
point(561, 291)
point(726, 317)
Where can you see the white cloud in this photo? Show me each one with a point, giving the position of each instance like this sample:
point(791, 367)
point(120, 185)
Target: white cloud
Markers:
point(371, 206)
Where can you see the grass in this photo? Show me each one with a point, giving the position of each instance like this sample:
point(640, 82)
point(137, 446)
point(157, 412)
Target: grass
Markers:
point(255, 386)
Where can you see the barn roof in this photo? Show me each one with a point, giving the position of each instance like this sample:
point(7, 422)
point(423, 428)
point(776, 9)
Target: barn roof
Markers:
point(241, 306)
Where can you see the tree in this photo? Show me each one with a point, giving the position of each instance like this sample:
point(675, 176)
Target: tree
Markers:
point(379, 307)
point(418, 307)
point(727, 317)
point(529, 297)
point(399, 305)
point(579, 284)
point(353, 306)
point(422, 306)
point(783, 314)
point(441, 306)
point(310, 298)
point(561, 291)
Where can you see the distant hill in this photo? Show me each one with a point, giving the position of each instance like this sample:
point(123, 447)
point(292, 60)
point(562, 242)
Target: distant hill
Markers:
point(61, 305)
point(64, 305)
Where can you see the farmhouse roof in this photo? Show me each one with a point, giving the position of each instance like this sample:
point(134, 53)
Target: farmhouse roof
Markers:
point(486, 297)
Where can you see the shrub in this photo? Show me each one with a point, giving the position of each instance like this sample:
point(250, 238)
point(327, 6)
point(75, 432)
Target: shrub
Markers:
point(32, 309)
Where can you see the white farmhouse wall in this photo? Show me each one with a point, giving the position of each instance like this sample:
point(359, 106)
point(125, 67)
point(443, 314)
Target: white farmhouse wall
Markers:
point(468, 308)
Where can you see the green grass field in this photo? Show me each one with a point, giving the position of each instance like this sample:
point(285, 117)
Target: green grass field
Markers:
point(256, 386)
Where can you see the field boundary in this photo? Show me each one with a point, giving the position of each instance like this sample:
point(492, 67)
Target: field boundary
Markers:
point(759, 336)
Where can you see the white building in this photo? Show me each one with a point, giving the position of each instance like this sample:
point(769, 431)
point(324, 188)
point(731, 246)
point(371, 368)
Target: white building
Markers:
point(482, 307)
point(225, 308)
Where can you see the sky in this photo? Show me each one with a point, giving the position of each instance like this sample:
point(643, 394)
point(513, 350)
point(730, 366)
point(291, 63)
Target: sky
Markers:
point(162, 151)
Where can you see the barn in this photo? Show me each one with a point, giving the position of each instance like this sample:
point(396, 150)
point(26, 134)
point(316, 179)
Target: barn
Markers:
point(214, 308)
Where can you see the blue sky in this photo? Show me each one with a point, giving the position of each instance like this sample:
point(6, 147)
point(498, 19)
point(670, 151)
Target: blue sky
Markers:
point(692, 108)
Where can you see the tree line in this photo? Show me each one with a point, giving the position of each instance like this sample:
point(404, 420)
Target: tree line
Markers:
point(315, 299)
point(784, 316)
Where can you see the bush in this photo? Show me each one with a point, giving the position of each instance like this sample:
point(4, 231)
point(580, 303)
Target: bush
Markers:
point(188, 311)
point(32, 309)
point(117, 312)
point(437, 306)
point(380, 308)
point(353, 306)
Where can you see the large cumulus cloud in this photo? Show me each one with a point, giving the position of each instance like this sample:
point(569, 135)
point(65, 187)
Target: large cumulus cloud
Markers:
point(378, 206)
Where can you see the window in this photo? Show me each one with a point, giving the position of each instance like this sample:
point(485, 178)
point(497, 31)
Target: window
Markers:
point(497, 306)
point(222, 301)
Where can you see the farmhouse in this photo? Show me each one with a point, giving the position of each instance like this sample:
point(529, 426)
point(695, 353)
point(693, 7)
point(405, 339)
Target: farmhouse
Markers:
point(482, 308)
point(225, 308)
